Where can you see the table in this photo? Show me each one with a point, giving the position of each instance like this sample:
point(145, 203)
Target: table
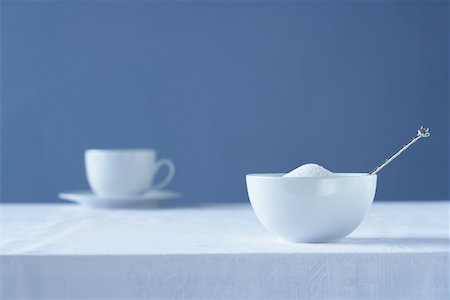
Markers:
point(206, 251)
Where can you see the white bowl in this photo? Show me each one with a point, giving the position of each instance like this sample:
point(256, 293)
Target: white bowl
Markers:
point(311, 209)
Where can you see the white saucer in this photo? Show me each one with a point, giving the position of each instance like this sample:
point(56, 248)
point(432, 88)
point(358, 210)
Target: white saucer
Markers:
point(148, 200)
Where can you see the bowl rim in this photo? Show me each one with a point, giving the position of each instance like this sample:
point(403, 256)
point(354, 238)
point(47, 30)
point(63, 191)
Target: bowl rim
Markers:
point(336, 175)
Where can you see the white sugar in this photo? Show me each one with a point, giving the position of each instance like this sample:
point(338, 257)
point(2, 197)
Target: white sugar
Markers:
point(309, 170)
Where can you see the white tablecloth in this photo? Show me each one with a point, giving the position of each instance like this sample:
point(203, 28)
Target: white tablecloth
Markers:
point(400, 251)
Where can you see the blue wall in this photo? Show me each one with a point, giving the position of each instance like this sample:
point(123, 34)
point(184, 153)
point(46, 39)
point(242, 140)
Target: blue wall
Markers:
point(224, 88)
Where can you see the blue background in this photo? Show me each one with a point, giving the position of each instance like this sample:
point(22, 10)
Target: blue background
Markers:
point(224, 88)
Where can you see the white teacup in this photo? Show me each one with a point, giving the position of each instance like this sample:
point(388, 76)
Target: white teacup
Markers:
point(120, 172)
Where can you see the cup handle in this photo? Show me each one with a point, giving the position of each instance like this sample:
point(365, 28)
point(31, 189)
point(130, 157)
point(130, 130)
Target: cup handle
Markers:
point(169, 176)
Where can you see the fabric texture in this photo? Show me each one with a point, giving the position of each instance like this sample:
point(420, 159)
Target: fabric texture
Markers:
point(401, 250)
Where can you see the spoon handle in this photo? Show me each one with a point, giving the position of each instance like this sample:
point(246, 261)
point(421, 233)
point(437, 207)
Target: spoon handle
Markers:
point(422, 132)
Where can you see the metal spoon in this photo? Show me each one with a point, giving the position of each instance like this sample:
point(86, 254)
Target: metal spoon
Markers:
point(422, 132)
